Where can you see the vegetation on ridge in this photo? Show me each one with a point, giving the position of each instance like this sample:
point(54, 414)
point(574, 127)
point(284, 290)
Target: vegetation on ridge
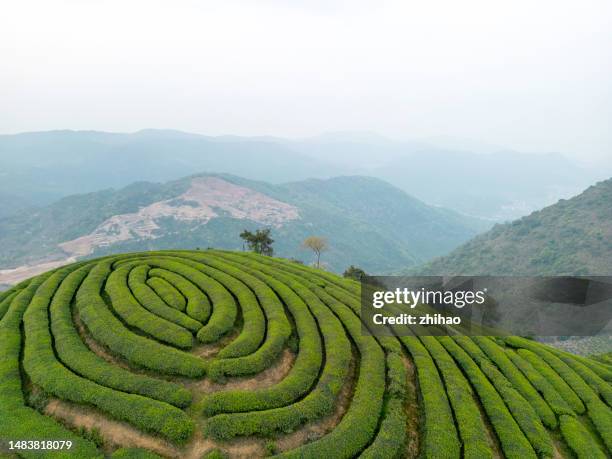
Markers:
point(151, 339)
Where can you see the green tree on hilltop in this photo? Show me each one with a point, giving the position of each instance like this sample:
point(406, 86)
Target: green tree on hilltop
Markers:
point(259, 242)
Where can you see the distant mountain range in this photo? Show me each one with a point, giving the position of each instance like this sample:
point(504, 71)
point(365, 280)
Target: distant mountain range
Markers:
point(45, 166)
point(367, 222)
point(571, 237)
point(40, 167)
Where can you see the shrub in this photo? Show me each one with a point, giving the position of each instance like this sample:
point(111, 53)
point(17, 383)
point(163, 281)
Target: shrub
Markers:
point(304, 371)
point(225, 310)
point(279, 304)
point(440, 435)
point(555, 380)
point(45, 371)
point(215, 453)
point(358, 425)
point(134, 453)
point(602, 369)
point(498, 356)
point(590, 376)
point(250, 337)
point(17, 421)
point(579, 439)
point(391, 436)
point(167, 292)
point(521, 410)
point(513, 441)
point(5, 301)
point(198, 306)
point(548, 391)
point(135, 315)
point(319, 402)
point(147, 297)
point(467, 415)
point(78, 357)
point(109, 331)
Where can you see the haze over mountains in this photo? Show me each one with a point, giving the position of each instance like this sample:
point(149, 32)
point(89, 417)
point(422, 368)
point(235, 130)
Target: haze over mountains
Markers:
point(39, 168)
point(367, 222)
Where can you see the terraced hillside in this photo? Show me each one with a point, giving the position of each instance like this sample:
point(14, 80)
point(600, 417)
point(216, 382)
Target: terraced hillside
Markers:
point(207, 354)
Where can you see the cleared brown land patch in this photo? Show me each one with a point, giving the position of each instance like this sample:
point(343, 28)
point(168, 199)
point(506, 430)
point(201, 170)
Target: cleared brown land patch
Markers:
point(207, 198)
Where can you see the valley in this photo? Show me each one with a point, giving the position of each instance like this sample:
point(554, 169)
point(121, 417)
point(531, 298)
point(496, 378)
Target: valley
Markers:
point(368, 222)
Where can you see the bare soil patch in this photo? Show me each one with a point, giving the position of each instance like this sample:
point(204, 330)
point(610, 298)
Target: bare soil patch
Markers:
point(13, 276)
point(412, 409)
point(117, 434)
point(207, 198)
point(266, 378)
point(212, 349)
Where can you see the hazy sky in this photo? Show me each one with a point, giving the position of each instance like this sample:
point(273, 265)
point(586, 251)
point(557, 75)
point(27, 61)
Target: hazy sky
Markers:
point(533, 75)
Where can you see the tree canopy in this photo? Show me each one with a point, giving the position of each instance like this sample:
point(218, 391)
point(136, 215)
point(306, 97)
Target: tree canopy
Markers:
point(317, 244)
point(259, 241)
point(354, 272)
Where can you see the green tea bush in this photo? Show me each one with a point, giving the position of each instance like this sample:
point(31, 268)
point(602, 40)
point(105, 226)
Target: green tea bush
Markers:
point(467, 415)
point(548, 391)
point(167, 292)
point(108, 334)
point(137, 316)
point(513, 441)
point(391, 436)
point(79, 358)
point(498, 356)
point(304, 371)
point(319, 402)
point(358, 426)
point(198, 305)
point(523, 413)
point(5, 301)
point(554, 379)
point(224, 307)
point(45, 371)
point(109, 331)
point(603, 370)
point(276, 326)
point(146, 296)
point(579, 439)
point(17, 421)
point(134, 453)
point(440, 434)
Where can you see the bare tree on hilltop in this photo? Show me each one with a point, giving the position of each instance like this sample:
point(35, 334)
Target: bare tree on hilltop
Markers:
point(317, 245)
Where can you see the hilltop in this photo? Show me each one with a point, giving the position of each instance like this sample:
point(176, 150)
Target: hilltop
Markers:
point(368, 223)
point(573, 236)
point(216, 354)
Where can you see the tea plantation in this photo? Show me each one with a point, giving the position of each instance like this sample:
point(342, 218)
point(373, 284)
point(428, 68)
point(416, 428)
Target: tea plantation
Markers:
point(222, 354)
